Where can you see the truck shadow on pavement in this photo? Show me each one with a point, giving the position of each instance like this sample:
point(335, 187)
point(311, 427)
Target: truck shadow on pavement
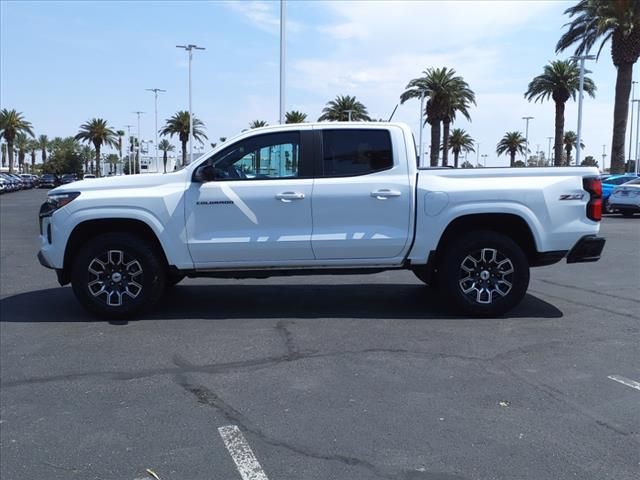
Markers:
point(220, 302)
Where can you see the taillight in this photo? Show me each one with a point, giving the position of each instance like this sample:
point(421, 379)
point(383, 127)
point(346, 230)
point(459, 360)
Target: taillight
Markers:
point(593, 185)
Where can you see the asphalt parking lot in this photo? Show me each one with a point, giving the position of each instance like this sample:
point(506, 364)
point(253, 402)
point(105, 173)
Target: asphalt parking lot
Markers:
point(356, 377)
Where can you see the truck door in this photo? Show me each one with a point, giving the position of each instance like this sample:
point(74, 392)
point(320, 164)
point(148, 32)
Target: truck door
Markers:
point(362, 196)
point(257, 211)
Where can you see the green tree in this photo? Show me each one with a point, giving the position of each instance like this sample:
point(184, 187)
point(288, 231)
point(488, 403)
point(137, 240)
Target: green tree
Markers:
point(64, 156)
point(446, 93)
point(601, 21)
point(258, 124)
point(12, 123)
point(112, 161)
point(22, 144)
point(86, 154)
point(120, 134)
point(460, 141)
point(512, 143)
point(33, 147)
point(43, 145)
point(344, 107)
point(178, 125)
point(559, 81)
point(466, 164)
point(295, 117)
point(570, 140)
point(589, 161)
point(166, 147)
point(97, 132)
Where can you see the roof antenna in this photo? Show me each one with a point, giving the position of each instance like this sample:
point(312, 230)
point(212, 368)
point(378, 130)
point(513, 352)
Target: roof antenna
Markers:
point(393, 113)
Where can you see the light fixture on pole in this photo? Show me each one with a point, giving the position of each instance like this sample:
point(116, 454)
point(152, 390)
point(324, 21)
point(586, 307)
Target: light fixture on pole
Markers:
point(137, 157)
point(190, 48)
point(633, 97)
point(549, 150)
point(582, 58)
point(282, 58)
point(155, 94)
point(128, 127)
point(526, 138)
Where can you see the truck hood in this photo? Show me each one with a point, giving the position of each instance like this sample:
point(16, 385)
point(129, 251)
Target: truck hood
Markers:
point(123, 182)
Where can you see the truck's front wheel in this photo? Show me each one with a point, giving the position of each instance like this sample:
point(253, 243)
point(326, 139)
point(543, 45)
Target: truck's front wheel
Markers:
point(117, 275)
point(484, 273)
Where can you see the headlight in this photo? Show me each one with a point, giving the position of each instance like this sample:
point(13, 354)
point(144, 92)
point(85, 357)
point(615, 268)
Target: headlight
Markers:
point(56, 201)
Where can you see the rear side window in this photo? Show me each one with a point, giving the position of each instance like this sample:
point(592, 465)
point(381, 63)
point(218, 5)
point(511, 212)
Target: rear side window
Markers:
point(355, 152)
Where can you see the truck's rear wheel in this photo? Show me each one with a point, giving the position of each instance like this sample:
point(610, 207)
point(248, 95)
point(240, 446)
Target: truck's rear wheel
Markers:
point(117, 275)
point(484, 273)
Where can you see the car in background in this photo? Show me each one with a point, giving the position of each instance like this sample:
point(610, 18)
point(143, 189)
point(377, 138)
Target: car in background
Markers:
point(21, 183)
point(626, 198)
point(49, 180)
point(88, 175)
point(4, 185)
point(68, 178)
point(611, 183)
point(27, 179)
point(11, 183)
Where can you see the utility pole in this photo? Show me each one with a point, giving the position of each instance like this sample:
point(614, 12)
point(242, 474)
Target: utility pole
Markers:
point(131, 144)
point(526, 138)
point(190, 48)
point(582, 58)
point(155, 94)
point(139, 142)
point(282, 58)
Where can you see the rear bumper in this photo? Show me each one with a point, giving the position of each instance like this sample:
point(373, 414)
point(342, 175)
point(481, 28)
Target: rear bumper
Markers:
point(587, 249)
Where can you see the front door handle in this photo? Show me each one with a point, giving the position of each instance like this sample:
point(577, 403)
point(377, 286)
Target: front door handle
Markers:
point(385, 193)
point(289, 196)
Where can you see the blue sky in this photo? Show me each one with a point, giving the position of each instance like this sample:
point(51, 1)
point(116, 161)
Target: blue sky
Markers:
point(63, 63)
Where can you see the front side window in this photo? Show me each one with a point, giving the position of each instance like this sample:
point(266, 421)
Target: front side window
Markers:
point(270, 156)
point(351, 152)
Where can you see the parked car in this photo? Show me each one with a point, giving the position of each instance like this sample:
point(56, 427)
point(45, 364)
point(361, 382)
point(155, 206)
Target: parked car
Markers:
point(27, 179)
point(4, 185)
point(336, 199)
point(12, 183)
point(626, 198)
point(49, 180)
point(21, 183)
point(68, 178)
point(88, 175)
point(611, 183)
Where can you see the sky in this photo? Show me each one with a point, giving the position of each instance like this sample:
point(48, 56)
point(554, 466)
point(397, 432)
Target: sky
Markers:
point(63, 63)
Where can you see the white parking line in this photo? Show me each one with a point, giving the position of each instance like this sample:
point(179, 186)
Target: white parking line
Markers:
point(625, 381)
point(241, 452)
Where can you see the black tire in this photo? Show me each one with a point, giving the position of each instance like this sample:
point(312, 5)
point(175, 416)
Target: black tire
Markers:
point(117, 275)
point(627, 214)
point(490, 267)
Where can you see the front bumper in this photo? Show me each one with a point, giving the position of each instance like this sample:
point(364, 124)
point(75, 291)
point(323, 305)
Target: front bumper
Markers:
point(587, 249)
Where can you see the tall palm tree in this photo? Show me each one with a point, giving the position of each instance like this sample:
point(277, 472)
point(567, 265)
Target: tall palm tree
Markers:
point(3, 146)
point(559, 81)
point(178, 125)
point(86, 154)
point(460, 141)
point(43, 144)
point(120, 134)
point(459, 98)
point(512, 143)
point(97, 132)
point(343, 108)
point(165, 146)
point(600, 21)
point(33, 147)
point(258, 124)
point(570, 140)
point(12, 123)
point(22, 144)
point(446, 93)
point(295, 117)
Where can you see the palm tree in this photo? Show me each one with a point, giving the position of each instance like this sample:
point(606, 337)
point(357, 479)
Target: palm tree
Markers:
point(33, 146)
point(165, 146)
point(446, 94)
point(223, 139)
point(179, 125)
point(618, 21)
point(4, 153)
point(86, 154)
point(344, 108)
point(258, 124)
point(512, 142)
point(12, 123)
point(459, 141)
point(22, 144)
point(43, 144)
point(295, 117)
point(559, 81)
point(97, 132)
point(120, 134)
point(570, 140)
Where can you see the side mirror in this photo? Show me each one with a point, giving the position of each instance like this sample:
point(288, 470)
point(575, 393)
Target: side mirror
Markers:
point(204, 173)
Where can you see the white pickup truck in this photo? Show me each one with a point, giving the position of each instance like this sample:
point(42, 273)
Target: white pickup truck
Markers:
point(319, 198)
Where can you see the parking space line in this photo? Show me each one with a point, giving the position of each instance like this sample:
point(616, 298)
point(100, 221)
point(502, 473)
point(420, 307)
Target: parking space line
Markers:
point(246, 462)
point(625, 381)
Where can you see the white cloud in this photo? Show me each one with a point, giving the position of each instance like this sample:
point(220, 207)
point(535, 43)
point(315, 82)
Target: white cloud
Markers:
point(262, 14)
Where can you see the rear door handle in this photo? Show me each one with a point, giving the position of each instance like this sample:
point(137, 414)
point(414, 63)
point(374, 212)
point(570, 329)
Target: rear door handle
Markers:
point(385, 193)
point(289, 196)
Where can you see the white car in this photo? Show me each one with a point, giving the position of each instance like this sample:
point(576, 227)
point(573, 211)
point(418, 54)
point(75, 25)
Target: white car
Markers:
point(323, 198)
point(626, 198)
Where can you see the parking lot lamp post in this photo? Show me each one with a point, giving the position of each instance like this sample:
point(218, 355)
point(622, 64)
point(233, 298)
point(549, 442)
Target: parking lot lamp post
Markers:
point(190, 48)
point(604, 155)
point(549, 150)
point(582, 58)
point(155, 94)
point(139, 141)
point(478, 154)
point(128, 127)
point(526, 138)
point(421, 129)
point(484, 159)
point(637, 132)
point(633, 97)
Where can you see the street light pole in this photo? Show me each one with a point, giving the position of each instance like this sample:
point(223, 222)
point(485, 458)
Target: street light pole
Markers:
point(637, 133)
point(478, 154)
point(130, 145)
point(633, 97)
point(421, 129)
point(484, 159)
point(582, 58)
point(282, 58)
point(139, 143)
point(604, 155)
point(549, 150)
point(190, 48)
point(155, 94)
point(526, 138)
